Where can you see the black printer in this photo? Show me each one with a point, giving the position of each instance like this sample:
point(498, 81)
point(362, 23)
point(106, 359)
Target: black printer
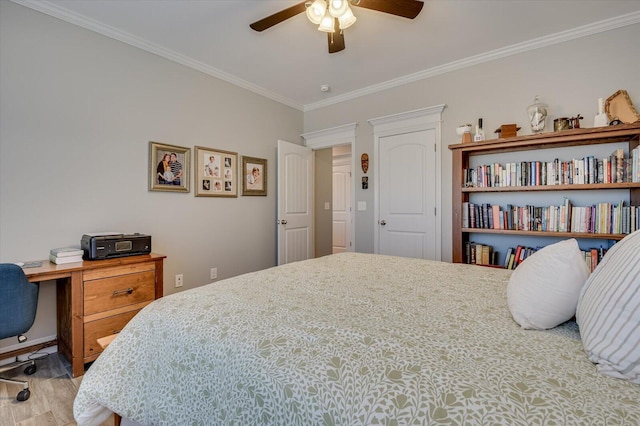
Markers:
point(107, 245)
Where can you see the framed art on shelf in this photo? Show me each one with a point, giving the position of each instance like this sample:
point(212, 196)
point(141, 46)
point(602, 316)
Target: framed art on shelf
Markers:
point(169, 167)
point(216, 173)
point(254, 181)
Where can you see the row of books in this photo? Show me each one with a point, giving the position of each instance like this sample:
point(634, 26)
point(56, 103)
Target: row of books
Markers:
point(64, 255)
point(517, 255)
point(480, 254)
point(594, 256)
point(601, 218)
point(614, 169)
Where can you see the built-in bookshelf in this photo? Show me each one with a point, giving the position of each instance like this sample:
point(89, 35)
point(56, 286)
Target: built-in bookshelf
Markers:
point(595, 174)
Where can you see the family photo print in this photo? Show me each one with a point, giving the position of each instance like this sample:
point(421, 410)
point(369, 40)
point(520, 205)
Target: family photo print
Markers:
point(216, 173)
point(169, 167)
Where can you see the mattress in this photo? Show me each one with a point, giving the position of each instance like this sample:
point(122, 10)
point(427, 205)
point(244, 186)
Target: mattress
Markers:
point(349, 339)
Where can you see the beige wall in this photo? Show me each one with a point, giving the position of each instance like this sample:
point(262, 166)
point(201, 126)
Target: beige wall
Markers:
point(323, 219)
point(77, 113)
point(570, 77)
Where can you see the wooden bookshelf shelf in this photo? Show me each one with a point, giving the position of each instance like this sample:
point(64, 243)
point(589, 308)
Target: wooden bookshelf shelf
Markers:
point(583, 187)
point(461, 153)
point(544, 233)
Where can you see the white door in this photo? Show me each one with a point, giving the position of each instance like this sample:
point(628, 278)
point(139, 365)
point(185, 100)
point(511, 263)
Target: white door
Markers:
point(295, 202)
point(407, 195)
point(341, 208)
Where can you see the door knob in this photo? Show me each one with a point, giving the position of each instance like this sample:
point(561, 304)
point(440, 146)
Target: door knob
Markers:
point(382, 222)
point(283, 222)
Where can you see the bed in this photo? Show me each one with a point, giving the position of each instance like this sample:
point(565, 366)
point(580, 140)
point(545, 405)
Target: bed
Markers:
point(350, 339)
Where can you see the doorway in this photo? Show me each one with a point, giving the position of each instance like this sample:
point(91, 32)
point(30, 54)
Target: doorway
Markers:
point(324, 143)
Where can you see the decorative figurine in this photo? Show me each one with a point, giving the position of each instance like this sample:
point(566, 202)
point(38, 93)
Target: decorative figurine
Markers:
point(574, 122)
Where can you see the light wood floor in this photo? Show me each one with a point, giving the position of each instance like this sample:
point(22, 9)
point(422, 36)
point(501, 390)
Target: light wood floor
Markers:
point(52, 394)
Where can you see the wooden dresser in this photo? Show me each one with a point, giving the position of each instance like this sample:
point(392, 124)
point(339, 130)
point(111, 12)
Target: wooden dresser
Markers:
point(96, 299)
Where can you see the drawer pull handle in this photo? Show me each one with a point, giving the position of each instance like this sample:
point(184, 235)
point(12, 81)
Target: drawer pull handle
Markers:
point(127, 291)
point(116, 331)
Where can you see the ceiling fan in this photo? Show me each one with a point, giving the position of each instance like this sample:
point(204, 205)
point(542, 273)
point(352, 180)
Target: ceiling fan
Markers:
point(333, 16)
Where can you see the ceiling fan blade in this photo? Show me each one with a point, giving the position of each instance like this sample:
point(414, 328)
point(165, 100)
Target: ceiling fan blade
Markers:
point(278, 17)
point(404, 8)
point(336, 40)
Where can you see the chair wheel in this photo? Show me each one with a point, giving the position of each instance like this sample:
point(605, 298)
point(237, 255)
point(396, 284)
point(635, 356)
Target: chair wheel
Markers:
point(30, 370)
point(23, 395)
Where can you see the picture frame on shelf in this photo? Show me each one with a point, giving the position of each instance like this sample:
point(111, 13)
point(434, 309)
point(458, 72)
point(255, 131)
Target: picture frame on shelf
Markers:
point(216, 173)
point(619, 107)
point(169, 167)
point(254, 176)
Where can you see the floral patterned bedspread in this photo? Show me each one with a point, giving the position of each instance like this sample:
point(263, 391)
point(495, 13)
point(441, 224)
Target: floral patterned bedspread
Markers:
point(349, 339)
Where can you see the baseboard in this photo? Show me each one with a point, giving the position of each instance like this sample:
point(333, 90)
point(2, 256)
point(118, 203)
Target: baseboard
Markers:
point(47, 344)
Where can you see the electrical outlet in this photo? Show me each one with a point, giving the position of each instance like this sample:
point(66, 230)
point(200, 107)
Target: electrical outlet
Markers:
point(179, 280)
point(213, 273)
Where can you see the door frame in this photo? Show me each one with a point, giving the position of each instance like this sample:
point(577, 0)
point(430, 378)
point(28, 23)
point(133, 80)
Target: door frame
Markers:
point(407, 122)
point(337, 136)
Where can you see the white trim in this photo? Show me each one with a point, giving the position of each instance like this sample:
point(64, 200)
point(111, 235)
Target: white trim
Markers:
point(336, 136)
point(406, 122)
point(536, 43)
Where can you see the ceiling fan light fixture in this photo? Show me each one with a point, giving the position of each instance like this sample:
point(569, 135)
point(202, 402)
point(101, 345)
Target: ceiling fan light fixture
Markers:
point(327, 24)
point(340, 15)
point(337, 8)
point(347, 20)
point(316, 10)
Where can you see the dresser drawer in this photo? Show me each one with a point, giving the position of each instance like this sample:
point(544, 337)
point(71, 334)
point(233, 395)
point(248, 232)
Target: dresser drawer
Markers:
point(104, 327)
point(114, 292)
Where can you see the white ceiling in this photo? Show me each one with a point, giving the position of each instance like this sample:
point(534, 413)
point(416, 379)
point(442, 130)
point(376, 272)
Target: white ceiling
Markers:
point(289, 62)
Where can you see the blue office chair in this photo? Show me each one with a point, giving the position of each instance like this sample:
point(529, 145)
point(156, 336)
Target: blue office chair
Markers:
point(18, 301)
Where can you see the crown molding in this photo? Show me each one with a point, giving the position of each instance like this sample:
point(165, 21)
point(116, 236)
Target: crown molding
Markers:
point(537, 43)
point(130, 39)
point(82, 21)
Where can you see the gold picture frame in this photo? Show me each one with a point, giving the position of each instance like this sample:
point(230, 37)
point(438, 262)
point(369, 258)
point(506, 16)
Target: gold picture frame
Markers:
point(169, 167)
point(619, 106)
point(216, 173)
point(254, 176)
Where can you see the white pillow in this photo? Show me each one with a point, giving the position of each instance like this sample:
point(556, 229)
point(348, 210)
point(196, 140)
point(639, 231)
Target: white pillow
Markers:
point(609, 311)
point(543, 290)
